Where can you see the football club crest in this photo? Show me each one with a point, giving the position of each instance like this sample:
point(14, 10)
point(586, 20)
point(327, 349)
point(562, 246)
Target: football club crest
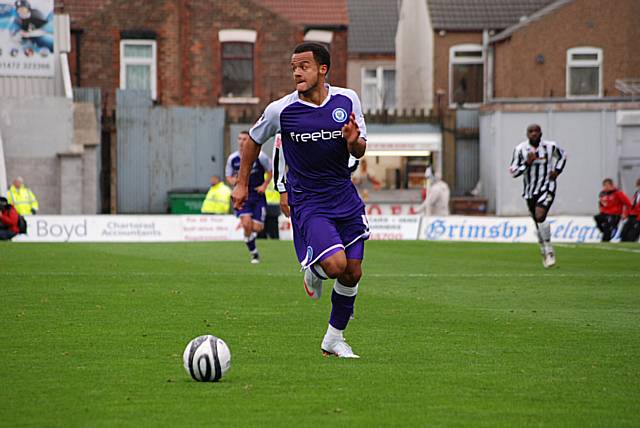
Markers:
point(339, 115)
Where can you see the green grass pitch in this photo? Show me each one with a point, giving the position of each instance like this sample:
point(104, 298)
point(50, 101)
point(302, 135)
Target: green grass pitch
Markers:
point(450, 334)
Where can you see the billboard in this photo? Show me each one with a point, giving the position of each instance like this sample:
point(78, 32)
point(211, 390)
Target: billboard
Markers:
point(26, 38)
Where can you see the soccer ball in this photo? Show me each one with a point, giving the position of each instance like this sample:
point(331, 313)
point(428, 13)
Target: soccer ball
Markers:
point(207, 358)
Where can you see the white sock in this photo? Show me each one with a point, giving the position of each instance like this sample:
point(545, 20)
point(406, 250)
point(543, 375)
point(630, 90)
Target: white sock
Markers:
point(333, 333)
point(343, 290)
point(545, 231)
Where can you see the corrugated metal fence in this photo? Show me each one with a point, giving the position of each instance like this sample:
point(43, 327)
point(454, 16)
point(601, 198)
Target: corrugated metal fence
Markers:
point(164, 148)
point(467, 151)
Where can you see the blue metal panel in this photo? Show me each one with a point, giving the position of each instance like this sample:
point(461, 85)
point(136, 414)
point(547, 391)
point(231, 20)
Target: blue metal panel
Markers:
point(467, 165)
point(133, 151)
point(467, 119)
point(164, 148)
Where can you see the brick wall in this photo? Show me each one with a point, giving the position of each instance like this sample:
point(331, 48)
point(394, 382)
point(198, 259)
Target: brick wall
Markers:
point(609, 25)
point(189, 57)
point(339, 58)
point(78, 10)
point(441, 46)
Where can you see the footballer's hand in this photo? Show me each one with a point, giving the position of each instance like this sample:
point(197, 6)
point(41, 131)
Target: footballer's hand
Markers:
point(284, 204)
point(262, 188)
point(531, 156)
point(351, 133)
point(350, 130)
point(239, 196)
point(553, 175)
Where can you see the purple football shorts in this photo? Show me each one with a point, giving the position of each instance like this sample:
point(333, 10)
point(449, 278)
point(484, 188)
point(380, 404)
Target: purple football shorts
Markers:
point(256, 207)
point(317, 236)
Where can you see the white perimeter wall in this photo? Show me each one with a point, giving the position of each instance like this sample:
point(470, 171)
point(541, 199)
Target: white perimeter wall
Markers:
point(591, 139)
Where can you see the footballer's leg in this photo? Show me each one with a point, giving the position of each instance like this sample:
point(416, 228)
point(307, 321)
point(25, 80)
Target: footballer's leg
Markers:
point(531, 205)
point(249, 235)
point(258, 216)
point(345, 289)
point(343, 297)
point(318, 245)
point(544, 229)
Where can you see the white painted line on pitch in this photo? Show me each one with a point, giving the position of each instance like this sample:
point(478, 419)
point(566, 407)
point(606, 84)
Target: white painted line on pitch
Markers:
point(600, 247)
point(368, 275)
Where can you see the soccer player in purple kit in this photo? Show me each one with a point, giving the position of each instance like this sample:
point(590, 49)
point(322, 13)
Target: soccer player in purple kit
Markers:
point(321, 126)
point(253, 212)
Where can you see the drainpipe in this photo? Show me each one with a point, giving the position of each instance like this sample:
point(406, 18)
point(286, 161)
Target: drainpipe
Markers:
point(488, 54)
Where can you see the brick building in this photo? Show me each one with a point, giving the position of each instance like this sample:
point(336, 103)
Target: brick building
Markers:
point(569, 49)
point(459, 28)
point(200, 53)
point(572, 68)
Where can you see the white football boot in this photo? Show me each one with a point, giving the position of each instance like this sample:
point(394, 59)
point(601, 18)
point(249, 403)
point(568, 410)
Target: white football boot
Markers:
point(312, 285)
point(338, 347)
point(549, 260)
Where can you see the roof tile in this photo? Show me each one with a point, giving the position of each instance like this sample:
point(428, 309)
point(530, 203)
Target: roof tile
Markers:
point(310, 12)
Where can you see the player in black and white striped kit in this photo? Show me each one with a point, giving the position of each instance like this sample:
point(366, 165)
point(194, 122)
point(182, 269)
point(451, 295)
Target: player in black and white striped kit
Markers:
point(539, 162)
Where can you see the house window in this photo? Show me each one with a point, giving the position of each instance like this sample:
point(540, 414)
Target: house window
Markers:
point(378, 89)
point(466, 74)
point(237, 69)
point(138, 65)
point(236, 47)
point(584, 72)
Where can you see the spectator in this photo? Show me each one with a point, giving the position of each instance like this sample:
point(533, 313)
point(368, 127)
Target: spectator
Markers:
point(436, 202)
point(631, 229)
point(271, 224)
point(8, 220)
point(364, 181)
point(614, 204)
point(218, 199)
point(22, 198)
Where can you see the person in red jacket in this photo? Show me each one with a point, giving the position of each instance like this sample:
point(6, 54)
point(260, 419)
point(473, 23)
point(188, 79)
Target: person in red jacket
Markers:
point(614, 204)
point(631, 229)
point(8, 220)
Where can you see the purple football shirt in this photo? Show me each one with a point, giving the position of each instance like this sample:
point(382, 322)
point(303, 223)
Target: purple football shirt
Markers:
point(314, 150)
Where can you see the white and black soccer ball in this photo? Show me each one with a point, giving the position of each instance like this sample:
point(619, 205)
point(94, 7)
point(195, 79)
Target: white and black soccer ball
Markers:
point(207, 358)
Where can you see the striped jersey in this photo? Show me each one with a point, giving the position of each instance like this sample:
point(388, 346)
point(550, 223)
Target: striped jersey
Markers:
point(549, 157)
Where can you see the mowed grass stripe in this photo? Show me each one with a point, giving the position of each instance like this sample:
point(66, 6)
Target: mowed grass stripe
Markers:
point(451, 334)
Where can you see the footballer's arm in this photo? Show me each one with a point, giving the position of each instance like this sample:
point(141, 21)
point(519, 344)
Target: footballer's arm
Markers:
point(355, 143)
point(250, 152)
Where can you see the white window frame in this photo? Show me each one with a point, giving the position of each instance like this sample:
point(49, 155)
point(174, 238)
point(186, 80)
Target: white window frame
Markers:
point(322, 36)
point(152, 62)
point(242, 36)
point(237, 35)
point(379, 81)
point(581, 63)
point(467, 47)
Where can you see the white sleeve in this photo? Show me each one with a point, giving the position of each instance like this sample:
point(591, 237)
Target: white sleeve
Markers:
point(228, 169)
point(267, 126)
point(265, 161)
point(357, 109)
point(518, 163)
point(279, 166)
